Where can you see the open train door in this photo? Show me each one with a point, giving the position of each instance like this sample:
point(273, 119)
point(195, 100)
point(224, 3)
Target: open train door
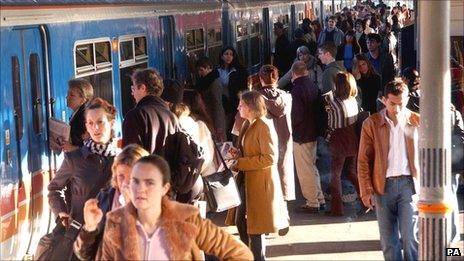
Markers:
point(24, 212)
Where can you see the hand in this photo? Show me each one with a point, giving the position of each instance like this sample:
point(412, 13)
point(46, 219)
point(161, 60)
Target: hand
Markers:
point(67, 147)
point(234, 153)
point(368, 201)
point(92, 215)
point(65, 218)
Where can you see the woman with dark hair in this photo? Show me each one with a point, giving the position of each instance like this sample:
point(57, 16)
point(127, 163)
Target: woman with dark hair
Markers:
point(343, 141)
point(262, 209)
point(359, 27)
point(95, 209)
point(234, 79)
point(87, 170)
point(368, 81)
point(153, 227)
point(348, 49)
point(411, 77)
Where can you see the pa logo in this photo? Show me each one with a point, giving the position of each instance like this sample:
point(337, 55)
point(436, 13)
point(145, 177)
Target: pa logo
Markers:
point(453, 251)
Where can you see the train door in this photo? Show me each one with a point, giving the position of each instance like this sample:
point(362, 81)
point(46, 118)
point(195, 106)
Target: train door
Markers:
point(167, 45)
point(25, 217)
point(268, 36)
point(293, 22)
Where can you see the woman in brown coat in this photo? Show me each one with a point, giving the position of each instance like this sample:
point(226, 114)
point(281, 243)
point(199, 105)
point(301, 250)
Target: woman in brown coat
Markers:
point(263, 208)
point(152, 227)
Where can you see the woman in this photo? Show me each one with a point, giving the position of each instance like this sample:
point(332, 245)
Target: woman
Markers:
point(315, 72)
point(80, 92)
point(87, 170)
point(369, 82)
point(90, 236)
point(279, 106)
point(410, 76)
point(360, 26)
point(234, 78)
point(343, 141)
point(263, 209)
point(348, 49)
point(152, 227)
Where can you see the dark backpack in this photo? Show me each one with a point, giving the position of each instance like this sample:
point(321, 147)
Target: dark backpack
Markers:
point(185, 160)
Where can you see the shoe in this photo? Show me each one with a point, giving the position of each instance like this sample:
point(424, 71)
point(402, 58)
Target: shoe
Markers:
point(322, 207)
point(284, 231)
point(307, 209)
point(330, 214)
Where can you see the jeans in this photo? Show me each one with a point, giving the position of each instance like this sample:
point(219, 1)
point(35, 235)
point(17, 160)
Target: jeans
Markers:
point(397, 215)
point(455, 226)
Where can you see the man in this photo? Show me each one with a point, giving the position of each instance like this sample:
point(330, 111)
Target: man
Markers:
point(304, 107)
point(388, 172)
point(150, 121)
point(281, 52)
point(331, 33)
point(381, 60)
point(327, 53)
point(296, 43)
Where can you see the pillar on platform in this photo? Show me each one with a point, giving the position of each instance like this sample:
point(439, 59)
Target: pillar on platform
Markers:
point(435, 130)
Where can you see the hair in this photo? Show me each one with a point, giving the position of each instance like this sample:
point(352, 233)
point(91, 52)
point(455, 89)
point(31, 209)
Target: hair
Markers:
point(354, 42)
point(329, 47)
point(99, 103)
point(269, 74)
point(180, 108)
point(235, 61)
point(83, 86)
point(333, 17)
point(279, 25)
point(362, 57)
point(412, 75)
point(374, 37)
point(204, 62)
point(395, 87)
point(158, 162)
point(197, 108)
point(128, 156)
point(299, 68)
point(151, 79)
point(255, 101)
point(345, 86)
point(360, 21)
point(302, 50)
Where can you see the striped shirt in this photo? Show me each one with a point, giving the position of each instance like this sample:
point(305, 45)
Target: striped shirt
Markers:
point(342, 113)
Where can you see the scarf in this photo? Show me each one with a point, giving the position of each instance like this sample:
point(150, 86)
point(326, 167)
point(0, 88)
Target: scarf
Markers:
point(105, 150)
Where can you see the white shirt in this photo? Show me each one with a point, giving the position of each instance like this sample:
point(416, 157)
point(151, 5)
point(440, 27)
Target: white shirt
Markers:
point(398, 163)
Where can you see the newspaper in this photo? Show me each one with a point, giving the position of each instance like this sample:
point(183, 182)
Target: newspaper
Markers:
point(59, 133)
point(225, 149)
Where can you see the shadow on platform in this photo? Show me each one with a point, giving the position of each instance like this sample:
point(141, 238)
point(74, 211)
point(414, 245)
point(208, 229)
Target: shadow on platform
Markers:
point(322, 248)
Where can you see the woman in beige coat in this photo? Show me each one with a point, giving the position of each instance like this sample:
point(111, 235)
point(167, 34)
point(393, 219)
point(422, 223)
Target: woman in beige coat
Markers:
point(263, 209)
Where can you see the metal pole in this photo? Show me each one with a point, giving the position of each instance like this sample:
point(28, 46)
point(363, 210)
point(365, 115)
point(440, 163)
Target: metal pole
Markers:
point(434, 139)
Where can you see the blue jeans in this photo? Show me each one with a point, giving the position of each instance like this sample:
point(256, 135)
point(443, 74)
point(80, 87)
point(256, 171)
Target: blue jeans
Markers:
point(397, 215)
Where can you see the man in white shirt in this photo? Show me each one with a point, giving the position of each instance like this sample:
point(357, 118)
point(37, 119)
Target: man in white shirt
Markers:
point(388, 171)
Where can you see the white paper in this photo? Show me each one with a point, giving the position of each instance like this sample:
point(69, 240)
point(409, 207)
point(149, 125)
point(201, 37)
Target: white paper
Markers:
point(59, 133)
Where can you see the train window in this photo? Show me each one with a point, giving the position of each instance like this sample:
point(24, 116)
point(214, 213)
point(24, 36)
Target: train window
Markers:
point(103, 54)
point(255, 28)
point(140, 46)
point(214, 36)
point(300, 17)
point(194, 39)
point(17, 103)
point(199, 39)
point(255, 50)
point(126, 51)
point(242, 30)
point(36, 93)
point(190, 38)
point(242, 51)
point(214, 44)
point(84, 56)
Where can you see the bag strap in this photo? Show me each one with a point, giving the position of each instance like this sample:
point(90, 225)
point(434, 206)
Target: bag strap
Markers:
point(220, 155)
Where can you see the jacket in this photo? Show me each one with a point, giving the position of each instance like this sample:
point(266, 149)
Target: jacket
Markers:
point(77, 124)
point(186, 234)
point(304, 108)
point(83, 171)
point(87, 243)
point(279, 107)
point(387, 66)
point(315, 73)
point(148, 124)
point(338, 37)
point(328, 76)
point(265, 206)
point(370, 86)
point(373, 152)
point(238, 80)
point(282, 59)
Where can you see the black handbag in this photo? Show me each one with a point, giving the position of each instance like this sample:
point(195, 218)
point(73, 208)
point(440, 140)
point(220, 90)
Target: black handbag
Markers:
point(220, 189)
point(58, 245)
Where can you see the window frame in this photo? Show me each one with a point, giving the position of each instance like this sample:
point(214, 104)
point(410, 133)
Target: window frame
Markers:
point(96, 68)
point(195, 47)
point(136, 59)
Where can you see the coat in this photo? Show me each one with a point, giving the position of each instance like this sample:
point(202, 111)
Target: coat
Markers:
point(338, 37)
point(83, 171)
point(185, 231)
point(304, 109)
point(149, 124)
point(373, 152)
point(279, 108)
point(77, 124)
point(265, 208)
point(328, 76)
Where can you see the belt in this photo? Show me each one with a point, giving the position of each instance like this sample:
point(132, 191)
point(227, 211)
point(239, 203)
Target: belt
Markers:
point(399, 177)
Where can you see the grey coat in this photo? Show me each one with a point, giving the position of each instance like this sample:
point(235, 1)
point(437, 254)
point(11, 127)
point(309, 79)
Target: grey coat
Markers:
point(86, 173)
point(328, 76)
point(338, 37)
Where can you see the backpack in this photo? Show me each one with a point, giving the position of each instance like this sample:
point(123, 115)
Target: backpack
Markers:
point(185, 159)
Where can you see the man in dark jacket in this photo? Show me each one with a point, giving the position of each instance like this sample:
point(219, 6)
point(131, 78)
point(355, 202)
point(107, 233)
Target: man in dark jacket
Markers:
point(299, 41)
point(281, 52)
point(381, 60)
point(327, 53)
point(151, 121)
point(304, 107)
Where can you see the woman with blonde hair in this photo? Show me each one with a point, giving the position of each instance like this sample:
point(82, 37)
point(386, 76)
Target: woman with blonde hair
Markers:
point(263, 209)
point(343, 141)
point(89, 238)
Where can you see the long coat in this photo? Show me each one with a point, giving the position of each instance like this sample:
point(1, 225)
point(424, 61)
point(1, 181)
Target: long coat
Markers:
point(186, 233)
point(265, 207)
point(279, 108)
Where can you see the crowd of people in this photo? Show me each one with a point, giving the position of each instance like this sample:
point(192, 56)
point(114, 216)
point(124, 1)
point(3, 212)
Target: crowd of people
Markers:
point(316, 95)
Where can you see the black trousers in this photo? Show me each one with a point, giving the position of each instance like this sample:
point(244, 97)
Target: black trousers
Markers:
point(257, 243)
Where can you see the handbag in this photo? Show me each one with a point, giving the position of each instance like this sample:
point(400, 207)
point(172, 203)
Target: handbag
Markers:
point(58, 245)
point(220, 189)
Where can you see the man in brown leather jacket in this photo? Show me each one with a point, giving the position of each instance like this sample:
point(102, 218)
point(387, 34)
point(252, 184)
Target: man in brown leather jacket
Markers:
point(388, 170)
